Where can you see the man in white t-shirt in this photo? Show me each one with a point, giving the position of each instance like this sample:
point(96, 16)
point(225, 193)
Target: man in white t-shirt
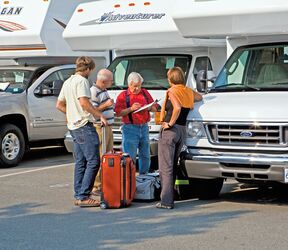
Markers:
point(74, 101)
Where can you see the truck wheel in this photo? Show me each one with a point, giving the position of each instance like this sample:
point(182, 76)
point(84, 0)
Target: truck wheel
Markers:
point(12, 145)
point(206, 189)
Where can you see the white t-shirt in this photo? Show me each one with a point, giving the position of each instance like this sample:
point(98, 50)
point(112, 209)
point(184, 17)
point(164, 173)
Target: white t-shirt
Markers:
point(74, 87)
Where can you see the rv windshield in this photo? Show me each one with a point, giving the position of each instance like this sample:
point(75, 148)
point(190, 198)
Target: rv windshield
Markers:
point(255, 68)
point(153, 69)
point(18, 80)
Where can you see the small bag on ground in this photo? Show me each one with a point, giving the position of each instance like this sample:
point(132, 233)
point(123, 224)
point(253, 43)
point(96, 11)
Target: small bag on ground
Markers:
point(147, 187)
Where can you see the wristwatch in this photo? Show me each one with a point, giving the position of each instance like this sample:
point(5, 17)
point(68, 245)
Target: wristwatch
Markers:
point(169, 125)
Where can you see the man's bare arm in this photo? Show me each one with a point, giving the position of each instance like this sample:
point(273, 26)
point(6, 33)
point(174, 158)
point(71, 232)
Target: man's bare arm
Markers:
point(87, 106)
point(105, 105)
point(60, 105)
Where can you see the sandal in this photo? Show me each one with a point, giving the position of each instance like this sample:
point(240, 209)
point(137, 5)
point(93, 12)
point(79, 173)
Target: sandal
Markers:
point(89, 203)
point(76, 202)
point(96, 193)
point(160, 205)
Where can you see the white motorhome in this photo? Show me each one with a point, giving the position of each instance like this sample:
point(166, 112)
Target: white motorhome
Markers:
point(145, 39)
point(240, 130)
point(31, 44)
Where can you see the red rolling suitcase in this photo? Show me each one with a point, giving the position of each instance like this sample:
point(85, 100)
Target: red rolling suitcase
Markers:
point(118, 180)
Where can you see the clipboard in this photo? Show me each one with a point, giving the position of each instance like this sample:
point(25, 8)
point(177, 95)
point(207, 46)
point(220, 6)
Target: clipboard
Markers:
point(146, 106)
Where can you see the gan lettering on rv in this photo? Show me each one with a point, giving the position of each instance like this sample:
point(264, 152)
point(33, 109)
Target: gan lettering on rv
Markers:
point(113, 18)
point(8, 11)
point(7, 25)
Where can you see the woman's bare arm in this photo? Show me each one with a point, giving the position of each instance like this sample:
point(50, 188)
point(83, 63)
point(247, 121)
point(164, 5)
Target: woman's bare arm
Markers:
point(197, 96)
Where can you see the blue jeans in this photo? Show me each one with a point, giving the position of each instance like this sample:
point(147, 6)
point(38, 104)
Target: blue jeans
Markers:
point(87, 160)
point(136, 137)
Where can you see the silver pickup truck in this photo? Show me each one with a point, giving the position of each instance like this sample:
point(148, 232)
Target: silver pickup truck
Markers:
point(28, 116)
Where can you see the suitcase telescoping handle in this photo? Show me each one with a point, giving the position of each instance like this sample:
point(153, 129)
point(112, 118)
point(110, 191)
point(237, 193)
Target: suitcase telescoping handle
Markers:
point(103, 131)
point(104, 147)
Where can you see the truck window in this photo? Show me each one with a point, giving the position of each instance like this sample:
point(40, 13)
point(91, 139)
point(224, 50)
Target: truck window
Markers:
point(153, 69)
point(255, 68)
point(56, 78)
point(18, 79)
point(64, 74)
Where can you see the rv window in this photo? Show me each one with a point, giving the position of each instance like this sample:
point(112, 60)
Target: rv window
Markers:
point(153, 69)
point(285, 56)
point(18, 79)
point(119, 73)
point(255, 68)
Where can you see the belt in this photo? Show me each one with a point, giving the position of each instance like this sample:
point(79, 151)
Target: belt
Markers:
point(89, 124)
point(143, 124)
point(99, 125)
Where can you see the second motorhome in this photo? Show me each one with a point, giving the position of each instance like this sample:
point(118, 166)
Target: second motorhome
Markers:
point(240, 130)
point(144, 39)
point(39, 61)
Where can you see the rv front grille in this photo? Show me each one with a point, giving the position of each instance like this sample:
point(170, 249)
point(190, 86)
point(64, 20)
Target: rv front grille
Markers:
point(248, 134)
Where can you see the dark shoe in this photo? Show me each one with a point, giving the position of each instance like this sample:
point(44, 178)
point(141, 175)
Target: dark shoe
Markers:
point(89, 203)
point(160, 205)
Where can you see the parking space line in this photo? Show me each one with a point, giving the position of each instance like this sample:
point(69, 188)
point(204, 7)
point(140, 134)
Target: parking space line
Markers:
point(36, 170)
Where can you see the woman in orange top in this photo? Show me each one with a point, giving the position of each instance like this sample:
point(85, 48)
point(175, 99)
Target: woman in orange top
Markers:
point(178, 102)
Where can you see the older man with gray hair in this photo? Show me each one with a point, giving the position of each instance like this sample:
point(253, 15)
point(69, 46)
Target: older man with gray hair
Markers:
point(101, 99)
point(135, 130)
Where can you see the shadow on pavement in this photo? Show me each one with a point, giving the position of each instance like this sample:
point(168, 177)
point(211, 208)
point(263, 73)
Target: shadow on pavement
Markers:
point(38, 153)
point(92, 228)
point(268, 193)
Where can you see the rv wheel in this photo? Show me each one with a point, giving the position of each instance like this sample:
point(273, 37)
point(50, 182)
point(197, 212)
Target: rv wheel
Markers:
point(206, 189)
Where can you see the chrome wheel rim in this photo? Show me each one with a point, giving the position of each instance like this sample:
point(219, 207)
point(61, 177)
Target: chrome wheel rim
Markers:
point(10, 146)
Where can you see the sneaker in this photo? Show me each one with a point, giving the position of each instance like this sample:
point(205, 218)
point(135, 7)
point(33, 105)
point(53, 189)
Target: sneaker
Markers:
point(161, 206)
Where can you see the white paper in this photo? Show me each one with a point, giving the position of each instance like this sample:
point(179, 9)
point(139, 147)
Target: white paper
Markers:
point(4, 85)
point(146, 106)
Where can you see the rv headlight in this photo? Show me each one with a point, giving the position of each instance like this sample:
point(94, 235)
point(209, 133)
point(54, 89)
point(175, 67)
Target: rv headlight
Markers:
point(155, 118)
point(195, 129)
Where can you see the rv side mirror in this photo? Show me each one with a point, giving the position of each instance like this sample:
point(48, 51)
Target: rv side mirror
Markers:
point(56, 87)
point(204, 80)
point(201, 81)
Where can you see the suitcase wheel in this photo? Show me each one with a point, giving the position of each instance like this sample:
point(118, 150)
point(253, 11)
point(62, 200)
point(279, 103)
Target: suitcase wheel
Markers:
point(103, 205)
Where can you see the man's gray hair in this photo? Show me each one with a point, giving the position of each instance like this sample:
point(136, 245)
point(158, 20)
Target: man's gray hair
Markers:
point(104, 75)
point(134, 77)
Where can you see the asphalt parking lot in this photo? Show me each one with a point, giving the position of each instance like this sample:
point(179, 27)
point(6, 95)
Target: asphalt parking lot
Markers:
point(37, 212)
